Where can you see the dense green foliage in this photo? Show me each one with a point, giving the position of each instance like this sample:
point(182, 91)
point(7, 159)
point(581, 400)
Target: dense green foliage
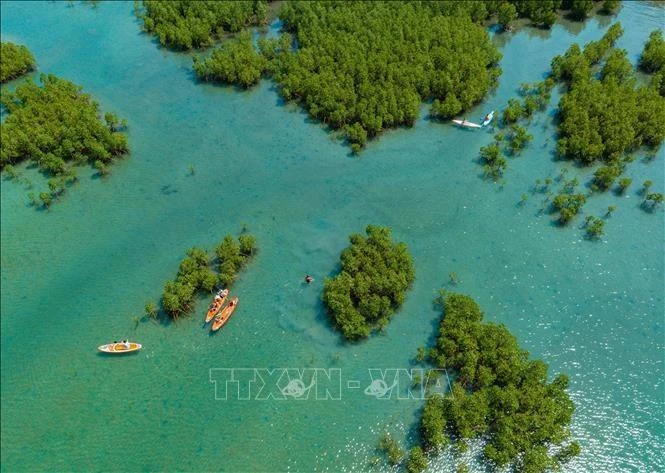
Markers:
point(15, 60)
point(372, 284)
point(604, 118)
point(544, 13)
point(499, 394)
point(236, 61)
point(366, 66)
point(360, 67)
point(232, 256)
point(186, 24)
point(653, 55)
point(568, 205)
point(195, 273)
point(604, 177)
point(493, 161)
point(653, 61)
point(57, 126)
point(595, 227)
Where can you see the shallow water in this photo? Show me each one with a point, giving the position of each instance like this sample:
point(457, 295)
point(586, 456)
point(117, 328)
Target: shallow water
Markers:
point(75, 276)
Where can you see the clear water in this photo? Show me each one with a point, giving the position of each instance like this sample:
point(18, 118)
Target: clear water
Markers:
point(76, 276)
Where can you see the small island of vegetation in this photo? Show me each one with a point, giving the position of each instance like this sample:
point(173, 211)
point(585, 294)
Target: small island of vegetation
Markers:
point(15, 60)
point(372, 284)
point(603, 117)
point(196, 274)
point(498, 395)
point(57, 126)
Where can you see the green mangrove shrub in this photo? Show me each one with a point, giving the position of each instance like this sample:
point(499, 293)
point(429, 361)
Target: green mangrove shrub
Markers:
point(359, 65)
point(183, 25)
point(568, 205)
point(499, 394)
point(595, 227)
point(57, 127)
point(605, 118)
point(196, 274)
point(235, 61)
point(15, 60)
point(375, 276)
point(653, 54)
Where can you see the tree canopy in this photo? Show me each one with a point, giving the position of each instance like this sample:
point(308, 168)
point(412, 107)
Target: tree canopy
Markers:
point(58, 126)
point(604, 116)
point(236, 61)
point(183, 25)
point(15, 60)
point(359, 67)
point(196, 273)
point(498, 394)
point(653, 55)
point(372, 284)
point(367, 66)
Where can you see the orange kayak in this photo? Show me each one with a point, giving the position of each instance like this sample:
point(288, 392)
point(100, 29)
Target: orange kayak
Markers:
point(116, 348)
point(215, 306)
point(225, 315)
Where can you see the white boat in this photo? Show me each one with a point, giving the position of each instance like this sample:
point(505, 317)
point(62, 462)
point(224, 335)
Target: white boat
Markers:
point(488, 118)
point(466, 123)
point(120, 347)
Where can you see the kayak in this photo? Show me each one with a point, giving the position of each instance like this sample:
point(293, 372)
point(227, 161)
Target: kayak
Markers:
point(225, 315)
point(216, 306)
point(488, 118)
point(467, 124)
point(117, 348)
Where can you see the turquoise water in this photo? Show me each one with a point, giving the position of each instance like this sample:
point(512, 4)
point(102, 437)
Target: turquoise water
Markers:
point(75, 277)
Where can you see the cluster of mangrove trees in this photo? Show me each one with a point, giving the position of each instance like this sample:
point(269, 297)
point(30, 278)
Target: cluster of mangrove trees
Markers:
point(652, 60)
point(15, 60)
point(235, 61)
point(183, 25)
point(196, 273)
point(57, 126)
point(544, 13)
point(498, 395)
point(371, 285)
point(605, 114)
point(358, 67)
point(362, 67)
